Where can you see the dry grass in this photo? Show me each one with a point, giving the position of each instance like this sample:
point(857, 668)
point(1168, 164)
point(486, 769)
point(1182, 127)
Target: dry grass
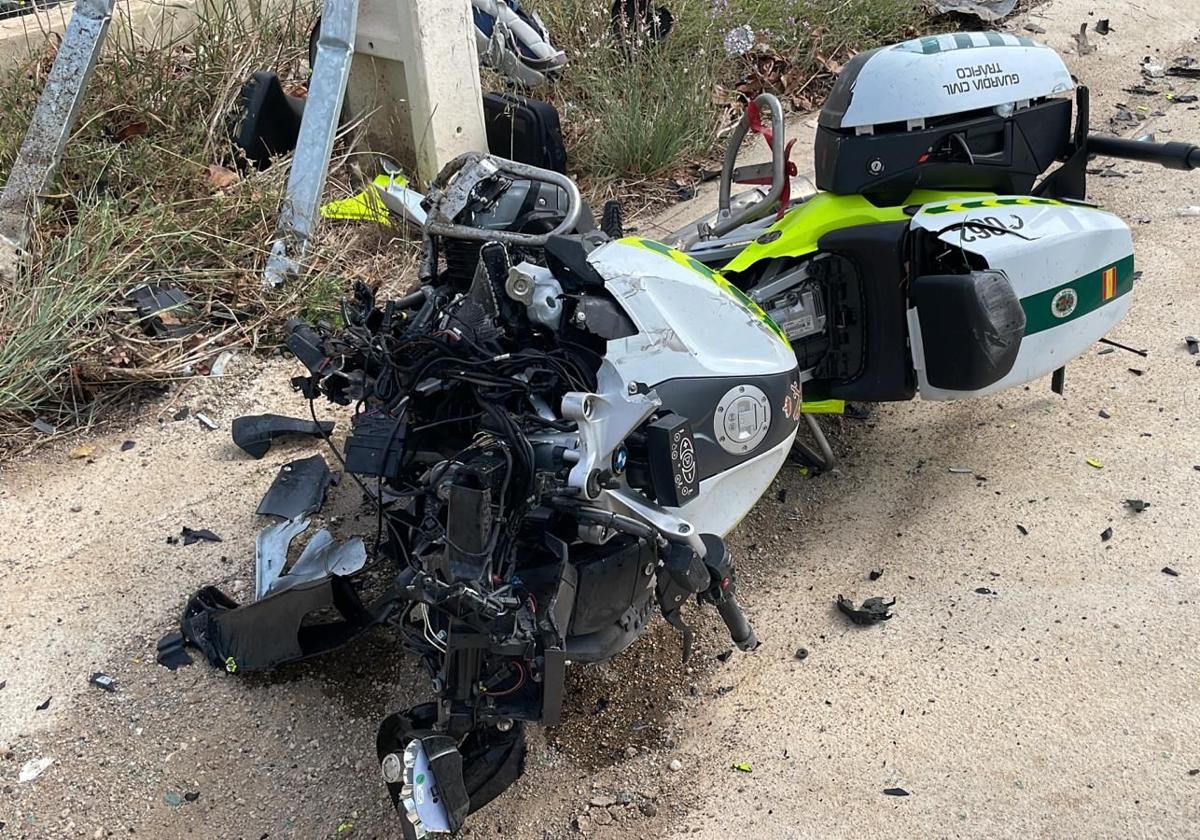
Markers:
point(137, 202)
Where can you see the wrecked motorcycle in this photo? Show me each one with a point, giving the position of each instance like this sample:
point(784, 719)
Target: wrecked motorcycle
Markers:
point(561, 427)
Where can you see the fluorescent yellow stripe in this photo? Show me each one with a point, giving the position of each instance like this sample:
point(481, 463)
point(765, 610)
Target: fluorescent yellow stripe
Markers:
point(824, 407)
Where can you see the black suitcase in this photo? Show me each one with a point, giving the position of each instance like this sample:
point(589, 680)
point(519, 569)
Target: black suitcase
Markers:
point(525, 130)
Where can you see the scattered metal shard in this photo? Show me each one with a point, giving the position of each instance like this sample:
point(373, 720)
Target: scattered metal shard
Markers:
point(323, 556)
point(270, 552)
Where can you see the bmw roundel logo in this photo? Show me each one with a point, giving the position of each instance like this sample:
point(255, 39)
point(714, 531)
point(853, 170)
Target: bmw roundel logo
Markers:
point(1064, 303)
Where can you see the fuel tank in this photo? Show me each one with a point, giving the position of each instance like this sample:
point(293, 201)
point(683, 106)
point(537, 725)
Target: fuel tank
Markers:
point(713, 357)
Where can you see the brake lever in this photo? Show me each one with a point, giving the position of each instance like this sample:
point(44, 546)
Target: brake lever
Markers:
point(674, 618)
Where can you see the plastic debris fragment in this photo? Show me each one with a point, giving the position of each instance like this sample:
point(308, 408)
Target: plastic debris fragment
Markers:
point(254, 433)
point(872, 611)
point(33, 768)
point(195, 535)
point(104, 681)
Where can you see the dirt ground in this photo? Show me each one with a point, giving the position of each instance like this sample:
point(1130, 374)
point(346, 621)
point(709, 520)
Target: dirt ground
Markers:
point(1063, 701)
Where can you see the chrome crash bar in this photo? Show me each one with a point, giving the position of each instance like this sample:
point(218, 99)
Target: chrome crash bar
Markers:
point(726, 219)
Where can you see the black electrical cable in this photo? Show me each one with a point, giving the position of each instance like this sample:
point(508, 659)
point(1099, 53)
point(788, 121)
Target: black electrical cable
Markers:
point(447, 421)
point(394, 363)
point(377, 499)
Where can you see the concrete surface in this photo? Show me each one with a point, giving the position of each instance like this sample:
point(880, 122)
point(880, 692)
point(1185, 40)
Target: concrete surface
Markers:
point(1062, 704)
point(423, 119)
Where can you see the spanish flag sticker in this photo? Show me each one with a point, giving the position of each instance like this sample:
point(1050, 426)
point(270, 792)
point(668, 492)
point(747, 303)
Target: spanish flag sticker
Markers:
point(1109, 287)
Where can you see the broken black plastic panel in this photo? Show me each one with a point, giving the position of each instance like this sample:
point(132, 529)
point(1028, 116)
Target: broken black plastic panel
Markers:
point(195, 535)
point(299, 488)
point(255, 433)
point(172, 653)
point(273, 631)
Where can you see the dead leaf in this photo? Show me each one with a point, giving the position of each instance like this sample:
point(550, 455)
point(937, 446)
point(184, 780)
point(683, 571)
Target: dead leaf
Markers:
point(84, 451)
point(129, 130)
point(831, 64)
point(220, 178)
point(296, 89)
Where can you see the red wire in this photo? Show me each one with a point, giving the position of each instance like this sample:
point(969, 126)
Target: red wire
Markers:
point(507, 692)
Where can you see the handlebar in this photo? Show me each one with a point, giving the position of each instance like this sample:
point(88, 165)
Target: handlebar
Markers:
point(739, 628)
point(726, 219)
point(451, 191)
point(1173, 155)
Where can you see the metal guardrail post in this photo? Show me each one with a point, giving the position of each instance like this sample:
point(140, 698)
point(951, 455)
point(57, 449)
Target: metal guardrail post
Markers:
point(53, 119)
point(300, 212)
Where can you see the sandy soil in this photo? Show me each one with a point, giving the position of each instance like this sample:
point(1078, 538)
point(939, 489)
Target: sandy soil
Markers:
point(1064, 702)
